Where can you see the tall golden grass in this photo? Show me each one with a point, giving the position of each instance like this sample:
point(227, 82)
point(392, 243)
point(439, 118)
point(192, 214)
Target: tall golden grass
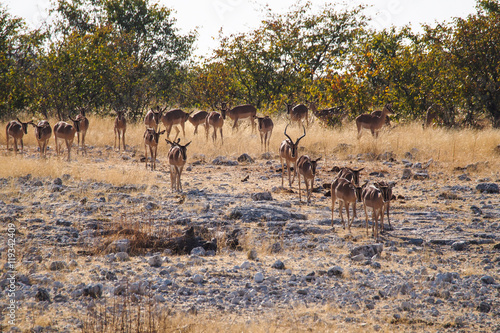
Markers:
point(450, 148)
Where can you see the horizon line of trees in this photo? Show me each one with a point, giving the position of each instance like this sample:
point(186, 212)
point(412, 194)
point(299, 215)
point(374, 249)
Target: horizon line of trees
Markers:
point(108, 55)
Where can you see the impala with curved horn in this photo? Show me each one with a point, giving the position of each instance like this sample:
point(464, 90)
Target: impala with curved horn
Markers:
point(43, 131)
point(298, 113)
point(198, 119)
point(16, 129)
point(120, 128)
point(66, 132)
point(84, 126)
point(288, 152)
point(215, 120)
point(239, 112)
point(152, 118)
point(266, 126)
point(375, 196)
point(177, 159)
point(372, 122)
point(151, 139)
point(172, 118)
point(307, 168)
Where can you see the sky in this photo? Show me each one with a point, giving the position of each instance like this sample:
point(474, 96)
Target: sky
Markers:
point(208, 17)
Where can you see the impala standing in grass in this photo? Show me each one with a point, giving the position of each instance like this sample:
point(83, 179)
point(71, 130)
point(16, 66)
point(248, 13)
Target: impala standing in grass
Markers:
point(16, 129)
point(288, 152)
point(43, 132)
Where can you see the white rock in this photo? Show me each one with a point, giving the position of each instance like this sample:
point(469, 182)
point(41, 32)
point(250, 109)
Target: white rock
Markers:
point(259, 277)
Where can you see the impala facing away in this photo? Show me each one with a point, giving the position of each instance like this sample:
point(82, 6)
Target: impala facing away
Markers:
point(151, 139)
point(239, 112)
point(215, 120)
point(298, 113)
point(372, 122)
point(66, 132)
point(177, 159)
point(346, 192)
point(84, 126)
point(175, 117)
point(288, 152)
point(388, 202)
point(43, 131)
point(307, 168)
point(16, 129)
point(266, 126)
point(198, 119)
point(376, 197)
point(152, 118)
point(120, 128)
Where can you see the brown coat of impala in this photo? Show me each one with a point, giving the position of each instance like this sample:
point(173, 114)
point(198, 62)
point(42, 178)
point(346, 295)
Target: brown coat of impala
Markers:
point(346, 193)
point(84, 126)
point(66, 132)
point(172, 118)
point(266, 126)
point(177, 159)
point(43, 132)
point(240, 112)
point(372, 122)
point(197, 119)
point(215, 120)
point(151, 139)
point(375, 197)
point(120, 128)
point(288, 152)
point(307, 168)
point(298, 113)
point(153, 118)
point(16, 129)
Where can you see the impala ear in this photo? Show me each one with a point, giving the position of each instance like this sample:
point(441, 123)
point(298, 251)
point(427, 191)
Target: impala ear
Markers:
point(170, 143)
point(187, 144)
point(160, 133)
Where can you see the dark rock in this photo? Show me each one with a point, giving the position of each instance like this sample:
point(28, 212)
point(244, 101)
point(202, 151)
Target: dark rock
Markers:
point(484, 307)
point(278, 264)
point(262, 196)
point(42, 295)
point(367, 251)
point(460, 245)
point(245, 158)
point(94, 291)
point(335, 271)
point(486, 279)
point(488, 188)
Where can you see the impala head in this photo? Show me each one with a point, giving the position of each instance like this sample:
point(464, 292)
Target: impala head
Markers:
point(359, 191)
point(157, 114)
point(389, 109)
point(183, 148)
point(289, 107)
point(314, 164)
point(386, 191)
point(294, 146)
point(25, 125)
point(223, 109)
point(155, 136)
point(76, 123)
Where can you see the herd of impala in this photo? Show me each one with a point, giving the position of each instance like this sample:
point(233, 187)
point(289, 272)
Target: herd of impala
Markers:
point(345, 187)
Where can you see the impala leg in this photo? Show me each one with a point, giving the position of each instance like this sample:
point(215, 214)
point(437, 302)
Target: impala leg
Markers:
point(15, 145)
point(333, 203)
point(177, 131)
point(388, 219)
point(341, 204)
point(183, 131)
point(221, 137)
point(68, 145)
point(123, 138)
point(146, 153)
point(382, 219)
point(83, 143)
point(282, 170)
point(346, 204)
point(179, 172)
point(366, 218)
point(294, 173)
point(172, 177)
point(300, 195)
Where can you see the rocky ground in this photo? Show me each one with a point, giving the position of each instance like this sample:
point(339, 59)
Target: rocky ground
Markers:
point(436, 269)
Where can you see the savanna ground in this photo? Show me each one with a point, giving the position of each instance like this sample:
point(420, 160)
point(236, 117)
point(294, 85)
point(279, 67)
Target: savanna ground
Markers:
point(449, 154)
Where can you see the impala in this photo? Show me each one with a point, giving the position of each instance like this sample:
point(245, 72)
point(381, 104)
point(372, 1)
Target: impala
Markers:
point(431, 116)
point(66, 132)
point(84, 125)
point(239, 112)
point(347, 193)
point(288, 152)
point(298, 113)
point(177, 159)
point(175, 117)
point(43, 131)
point(198, 119)
point(151, 139)
point(152, 118)
point(307, 168)
point(378, 113)
point(120, 128)
point(266, 130)
point(388, 202)
point(215, 120)
point(350, 174)
point(16, 129)
point(375, 196)
point(371, 122)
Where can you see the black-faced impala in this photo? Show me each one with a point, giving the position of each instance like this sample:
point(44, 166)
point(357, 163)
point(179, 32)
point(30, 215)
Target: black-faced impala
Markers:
point(298, 113)
point(152, 118)
point(84, 126)
point(197, 119)
point(307, 168)
point(373, 122)
point(288, 152)
point(151, 139)
point(375, 197)
point(172, 118)
point(66, 132)
point(215, 120)
point(266, 126)
point(16, 129)
point(347, 193)
point(43, 132)
point(120, 128)
point(239, 112)
point(177, 159)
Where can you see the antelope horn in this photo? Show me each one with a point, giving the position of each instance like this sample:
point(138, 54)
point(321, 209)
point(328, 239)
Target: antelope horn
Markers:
point(289, 138)
point(302, 135)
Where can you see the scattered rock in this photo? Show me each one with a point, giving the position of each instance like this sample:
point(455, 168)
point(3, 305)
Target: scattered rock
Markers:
point(42, 295)
point(407, 173)
point(335, 271)
point(94, 291)
point(278, 264)
point(488, 188)
point(486, 279)
point(484, 307)
point(259, 277)
point(120, 245)
point(155, 261)
point(460, 245)
point(58, 265)
point(261, 196)
point(245, 158)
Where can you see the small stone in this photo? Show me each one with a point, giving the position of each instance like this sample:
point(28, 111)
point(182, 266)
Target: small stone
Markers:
point(259, 277)
point(198, 251)
point(262, 196)
point(406, 306)
point(488, 188)
point(459, 246)
point(57, 265)
point(484, 307)
point(252, 254)
point(122, 256)
point(358, 258)
point(42, 295)
point(406, 173)
point(486, 279)
point(245, 265)
point(335, 271)
point(275, 248)
point(245, 158)
point(57, 181)
point(155, 261)
point(197, 278)
point(94, 291)
point(278, 264)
